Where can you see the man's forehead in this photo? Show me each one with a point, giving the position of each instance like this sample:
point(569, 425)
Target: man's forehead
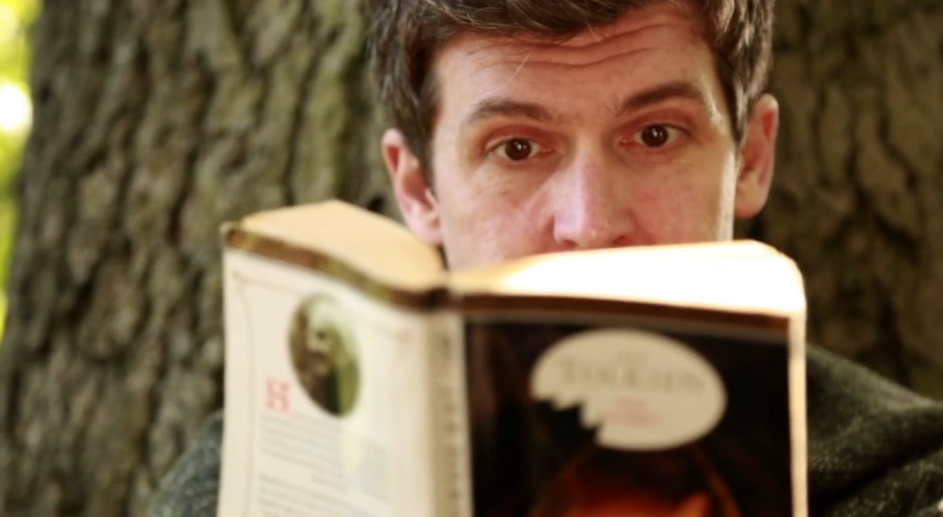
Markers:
point(662, 14)
point(482, 77)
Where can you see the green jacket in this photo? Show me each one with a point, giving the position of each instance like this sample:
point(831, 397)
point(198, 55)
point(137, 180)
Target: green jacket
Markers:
point(875, 450)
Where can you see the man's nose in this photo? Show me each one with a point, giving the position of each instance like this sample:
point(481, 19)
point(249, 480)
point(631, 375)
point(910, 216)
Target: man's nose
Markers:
point(593, 205)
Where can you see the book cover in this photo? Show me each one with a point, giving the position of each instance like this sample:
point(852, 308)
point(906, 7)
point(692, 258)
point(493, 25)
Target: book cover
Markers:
point(585, 415)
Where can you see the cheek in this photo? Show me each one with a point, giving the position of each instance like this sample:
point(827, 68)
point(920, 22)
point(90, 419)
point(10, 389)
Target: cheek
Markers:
point(697, 204)
point(476, 201)
point(689, 212)
point(485, 226)
point(469, 219)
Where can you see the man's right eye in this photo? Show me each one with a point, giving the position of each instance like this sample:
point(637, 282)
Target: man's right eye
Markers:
point(518, 149)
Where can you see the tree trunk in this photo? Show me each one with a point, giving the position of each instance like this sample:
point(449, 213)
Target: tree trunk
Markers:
point(155, 122)
point(858, 197)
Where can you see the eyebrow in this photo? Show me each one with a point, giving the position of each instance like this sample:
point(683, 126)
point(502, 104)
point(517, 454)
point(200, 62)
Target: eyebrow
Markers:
point(502, 107)
point(661, 93)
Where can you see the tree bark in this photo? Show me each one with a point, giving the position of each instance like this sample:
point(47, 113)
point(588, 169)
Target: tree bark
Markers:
point(858, 195)
point(156, 122)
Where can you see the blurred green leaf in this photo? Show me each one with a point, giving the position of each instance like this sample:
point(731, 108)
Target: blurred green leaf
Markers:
point(25, 10)
point(16, 18)
point(7, 229)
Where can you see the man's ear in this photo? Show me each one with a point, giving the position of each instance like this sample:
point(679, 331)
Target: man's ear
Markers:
point(411, 188)
point(757, 157)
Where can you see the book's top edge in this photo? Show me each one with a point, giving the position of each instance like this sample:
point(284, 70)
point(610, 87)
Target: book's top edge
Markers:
point(423, 298)
point(226, 228)
point(378, 246)
point(741, 276)
point(440, 298)
point(499, 306)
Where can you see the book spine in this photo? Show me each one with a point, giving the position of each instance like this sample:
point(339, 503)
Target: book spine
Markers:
point(452, 430)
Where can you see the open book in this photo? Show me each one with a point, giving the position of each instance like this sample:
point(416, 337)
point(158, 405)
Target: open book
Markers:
point(363, 380)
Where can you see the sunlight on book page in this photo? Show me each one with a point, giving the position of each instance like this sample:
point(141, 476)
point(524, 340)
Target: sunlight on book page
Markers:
point(743, 275)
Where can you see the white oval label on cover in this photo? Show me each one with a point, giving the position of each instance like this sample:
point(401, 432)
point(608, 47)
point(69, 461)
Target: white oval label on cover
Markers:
point(640, 390)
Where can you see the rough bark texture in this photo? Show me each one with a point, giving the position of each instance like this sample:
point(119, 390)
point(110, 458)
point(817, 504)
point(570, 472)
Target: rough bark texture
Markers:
point(858, 197)
point(156, 121)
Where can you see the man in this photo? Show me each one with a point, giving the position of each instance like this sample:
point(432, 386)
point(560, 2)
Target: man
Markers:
point(530, 126)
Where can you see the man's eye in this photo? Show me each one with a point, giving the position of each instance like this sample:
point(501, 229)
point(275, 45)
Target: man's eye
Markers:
point(518, 149)
point(657, 136)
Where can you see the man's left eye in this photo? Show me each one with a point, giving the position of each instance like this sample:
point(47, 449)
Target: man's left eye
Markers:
point(657, 136)
point(518, 149)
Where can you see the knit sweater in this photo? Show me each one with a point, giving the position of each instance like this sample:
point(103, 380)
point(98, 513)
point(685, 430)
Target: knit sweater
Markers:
point(875, 450)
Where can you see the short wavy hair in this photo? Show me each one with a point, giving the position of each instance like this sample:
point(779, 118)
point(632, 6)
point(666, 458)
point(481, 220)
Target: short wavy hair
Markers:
point(406, 34)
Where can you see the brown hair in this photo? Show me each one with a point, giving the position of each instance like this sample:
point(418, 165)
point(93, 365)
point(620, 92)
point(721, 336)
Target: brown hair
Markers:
point(407, 34)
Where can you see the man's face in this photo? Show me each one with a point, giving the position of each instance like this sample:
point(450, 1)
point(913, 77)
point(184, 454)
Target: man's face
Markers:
point(619, 136)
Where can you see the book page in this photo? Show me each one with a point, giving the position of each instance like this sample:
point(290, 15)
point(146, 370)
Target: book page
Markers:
point(739, 276)
point(327, 410)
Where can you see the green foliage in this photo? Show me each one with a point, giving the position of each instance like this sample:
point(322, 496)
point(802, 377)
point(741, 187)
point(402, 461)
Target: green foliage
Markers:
point(16, 16)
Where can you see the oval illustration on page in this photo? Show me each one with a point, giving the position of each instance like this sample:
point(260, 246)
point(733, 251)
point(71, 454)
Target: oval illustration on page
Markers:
point(324, 354)
point(640, 390)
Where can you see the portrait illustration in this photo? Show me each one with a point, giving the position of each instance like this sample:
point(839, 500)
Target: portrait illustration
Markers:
point(324, 355)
